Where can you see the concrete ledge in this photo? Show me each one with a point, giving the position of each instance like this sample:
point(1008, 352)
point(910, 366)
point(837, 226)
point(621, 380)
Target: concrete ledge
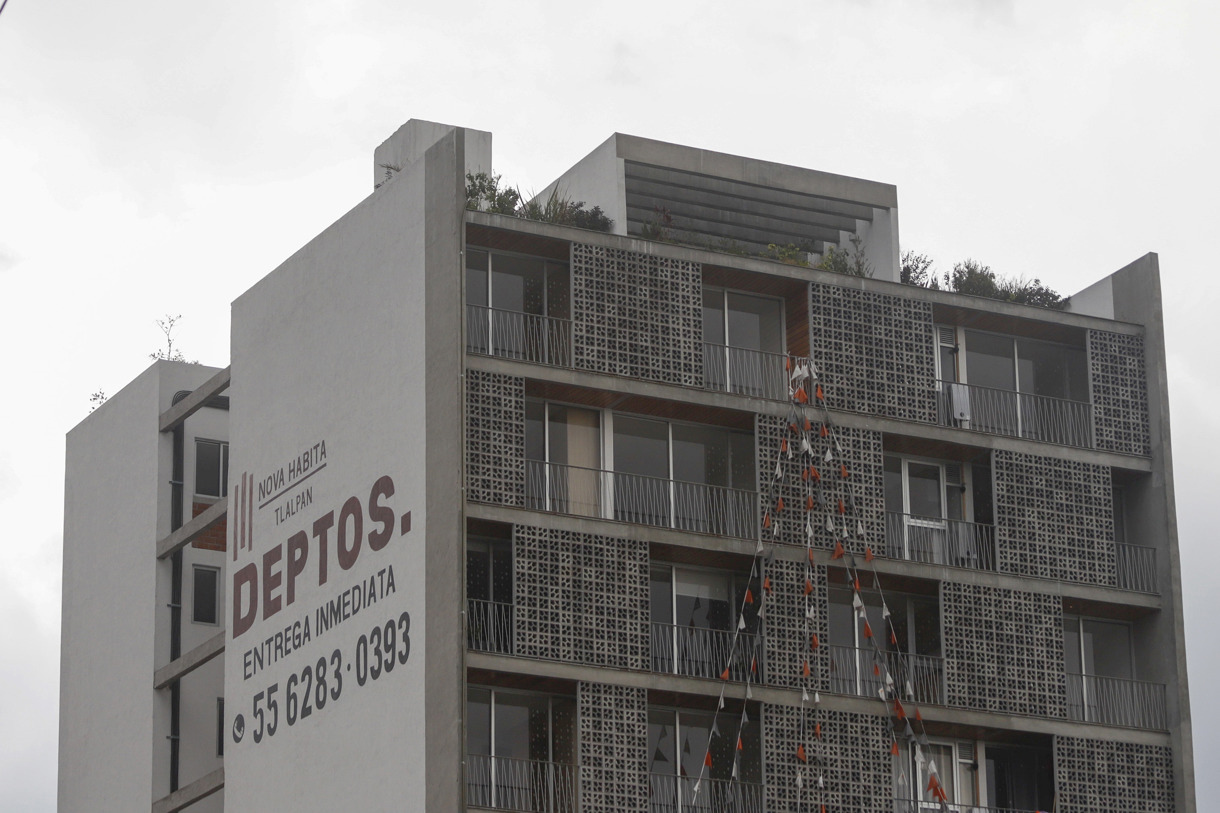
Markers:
point(184, 665)
point(184, 797)
point(945, 716)
point(182, 410)
point(180, 538)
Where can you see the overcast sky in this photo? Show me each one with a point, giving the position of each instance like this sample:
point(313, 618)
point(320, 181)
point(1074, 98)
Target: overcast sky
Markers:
point(160, 157)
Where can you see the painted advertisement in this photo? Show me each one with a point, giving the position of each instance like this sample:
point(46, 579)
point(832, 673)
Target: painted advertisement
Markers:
point(324, 658)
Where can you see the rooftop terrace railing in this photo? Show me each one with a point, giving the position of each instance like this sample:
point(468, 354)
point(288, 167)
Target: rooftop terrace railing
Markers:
point(489, 626)
point(1117, 701)
point(703, 653)
point(519, 784)
point(1136, 568)
point(1017, 414)
point(676, 794)
point(521, 336)
point(852, 672)
point(938, 541)
point(917, 806)
point(695, 507)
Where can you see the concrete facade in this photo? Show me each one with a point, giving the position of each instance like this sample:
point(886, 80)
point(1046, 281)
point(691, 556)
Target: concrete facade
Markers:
point(671, 525)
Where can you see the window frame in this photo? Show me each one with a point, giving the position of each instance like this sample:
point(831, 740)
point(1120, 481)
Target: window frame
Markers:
point(222, 487)
point(196, 569)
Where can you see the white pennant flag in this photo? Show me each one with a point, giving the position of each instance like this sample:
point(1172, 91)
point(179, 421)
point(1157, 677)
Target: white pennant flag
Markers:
point(821, 781)
point(910, 691)
point(698, 784)
point(741, 623)
point(817, 697)
point(881, 694)
point(856, 602)
point(805, 447)
point(804, 695)
point(749, 694)
point(885, 610)
point(830, 525)
point(779, 470)
point(800, 780)
point(860, 529)
point(829, 457)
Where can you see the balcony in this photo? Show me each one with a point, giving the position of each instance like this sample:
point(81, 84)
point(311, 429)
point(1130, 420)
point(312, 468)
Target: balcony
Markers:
point(703, 653)
point(1136, 568)
point(694, 507)
point(938, 541)
point(521, 336)
point(518, 784)
point(676, 794)
point(852, 672)
point(489, 626)
point(745, 372)
point(1117, 701)
point(1017, 414)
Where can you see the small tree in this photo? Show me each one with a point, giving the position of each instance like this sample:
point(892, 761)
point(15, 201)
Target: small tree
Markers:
point(170, 353)
point(917, 270)
point(97, 399)
point(850, 262)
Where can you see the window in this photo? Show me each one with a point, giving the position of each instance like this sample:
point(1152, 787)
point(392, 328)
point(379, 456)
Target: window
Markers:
point(743, 338)
point(912, 654)
point(678, 742)
point(489, 595)
point(517, 307)
point(211, 468)
point(220, 726)
point(1099, 664)
point(694, 622)
point(521, 750)
point(563, 458)
point(939, 511)
point(206, 595)
point(1012, 385)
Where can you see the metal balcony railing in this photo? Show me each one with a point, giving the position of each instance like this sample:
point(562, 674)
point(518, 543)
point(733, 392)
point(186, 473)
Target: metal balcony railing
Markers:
point(1137, 568)
point(745, 372)
point(676, 794)
point(855, 671)
point(916, 806)
point(520, 784)
point(489, 626)
point(1116, 701)
point(1019, 414)
point(635, 498)
point(521, 336)
point(939, 541)
point(703, 653)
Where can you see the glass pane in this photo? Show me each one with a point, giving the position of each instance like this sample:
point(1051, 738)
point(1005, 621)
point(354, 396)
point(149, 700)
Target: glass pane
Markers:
point(476, 277)
point(925, 489)
point(701, 454)
point(558, 291)
point(946, 764)
point(575, 437)
point(893, 484)
point(641, 446)
point(713, 317)
point(741, 449)
point(662, 735)
point(563, 730)
point(702, 599)
point(1120, 514)
point(1053, 370)
point(535, 439)
point(989, 361)
point(661, 595)
point(478, 721)
point(206, 580)
point(502, 573)
point(1071, 645)
point(927, 626)
point(980, 495)
point(1107, 649)
point(842, 620)
point(755, 323)
point(518, 284)
point(478, 572)
point(521, 730)
point(948, 364)
point(694, 732)
point(207, 468)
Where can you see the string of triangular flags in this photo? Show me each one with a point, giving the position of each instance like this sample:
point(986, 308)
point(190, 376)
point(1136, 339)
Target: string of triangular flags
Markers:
point(806, 437)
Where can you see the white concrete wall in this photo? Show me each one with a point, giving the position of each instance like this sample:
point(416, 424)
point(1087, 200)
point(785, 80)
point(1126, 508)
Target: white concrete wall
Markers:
point(331, 348)
point(112, 753)
point(597, 179)
point(412, 140)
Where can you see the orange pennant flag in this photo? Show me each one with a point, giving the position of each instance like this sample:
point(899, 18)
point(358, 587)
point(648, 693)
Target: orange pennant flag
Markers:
point(805, 670)
point(893, 638)
point(894, 748)
point(793, 427)
point(877, 669)
point(749, 596)
point(707, 760)
point(725, 674)
point(817, 730)
point(899, 711)
point(809, 501)
point(843, 471)
point(767, 584)
point(856, 583)
point(918, 716)
point(868, 554)
point(814, 643)
point(814, 471)
point(788, 364)
point(783, 445)
point(868, 631)
point(819, 393)
point(808, 425)
point(842, 508)
point(767, 520)
point(740, 747)
point(800, 753)
point(779, 505)
point(754, 665)
point(808, 586)
point(801, 397)
point(810, 552)
point(838, 554)
point(825, 430)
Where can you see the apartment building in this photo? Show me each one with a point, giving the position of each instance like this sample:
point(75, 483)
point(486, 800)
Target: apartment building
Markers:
point(495, 513)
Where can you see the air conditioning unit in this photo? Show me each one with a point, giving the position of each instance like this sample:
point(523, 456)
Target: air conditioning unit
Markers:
point(959, 402)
